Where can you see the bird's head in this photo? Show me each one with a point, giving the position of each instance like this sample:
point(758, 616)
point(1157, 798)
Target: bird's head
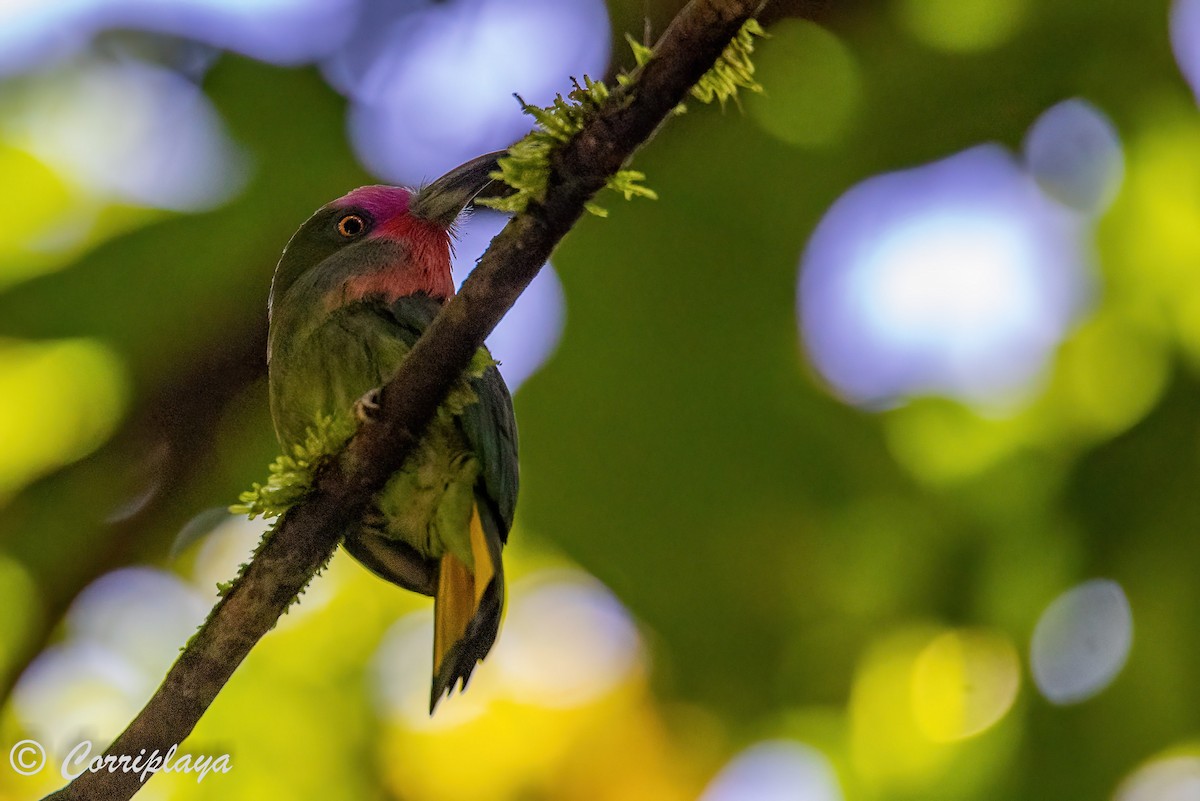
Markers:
point(387, 241)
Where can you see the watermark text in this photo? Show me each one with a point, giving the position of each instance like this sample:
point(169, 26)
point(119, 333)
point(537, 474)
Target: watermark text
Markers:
point(28, 757)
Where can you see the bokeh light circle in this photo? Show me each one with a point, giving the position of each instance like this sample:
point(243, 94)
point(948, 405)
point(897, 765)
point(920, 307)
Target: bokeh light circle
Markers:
point(79, 689)
point(956, 278)
point(812, 85)
point(529, 333)
point(964, 681)
point(402, 670)
point(1075, 154)
point(1175, 778)
point(962, 25)
point(142, 613)
point(277, 31)
point(1082, 641)
point(132, 132)
point(1185, 40)
point(62, 399)
point(433, 86)
point(776, 770)
point(567, 640)
point(122, 633)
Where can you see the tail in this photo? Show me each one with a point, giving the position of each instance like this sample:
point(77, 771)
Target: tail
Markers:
point(466, 611)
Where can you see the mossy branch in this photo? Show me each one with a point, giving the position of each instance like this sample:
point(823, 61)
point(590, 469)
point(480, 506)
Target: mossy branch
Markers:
point(526, 168)
point(290, 476)
point(342, 487)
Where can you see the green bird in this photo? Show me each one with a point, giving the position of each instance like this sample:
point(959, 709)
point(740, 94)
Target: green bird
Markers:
point(354, 289)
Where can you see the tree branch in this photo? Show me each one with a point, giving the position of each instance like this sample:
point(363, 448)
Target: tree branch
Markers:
point(310, 532)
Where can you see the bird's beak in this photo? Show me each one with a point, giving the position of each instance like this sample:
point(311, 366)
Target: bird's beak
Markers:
point(443, 200)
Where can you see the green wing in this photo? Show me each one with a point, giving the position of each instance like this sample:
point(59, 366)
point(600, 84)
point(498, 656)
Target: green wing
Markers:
point(488, 425)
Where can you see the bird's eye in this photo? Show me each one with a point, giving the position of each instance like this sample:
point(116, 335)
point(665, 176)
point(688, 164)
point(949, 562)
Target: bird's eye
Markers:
point(351, 225)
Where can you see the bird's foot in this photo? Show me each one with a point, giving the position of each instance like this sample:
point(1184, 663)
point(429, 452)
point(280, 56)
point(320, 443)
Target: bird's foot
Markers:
point(366, 408)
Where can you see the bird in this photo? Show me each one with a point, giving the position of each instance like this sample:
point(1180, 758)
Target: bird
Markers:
point(355, 287)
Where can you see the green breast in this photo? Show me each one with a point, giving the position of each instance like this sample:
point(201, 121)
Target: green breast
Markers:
point(324, 368)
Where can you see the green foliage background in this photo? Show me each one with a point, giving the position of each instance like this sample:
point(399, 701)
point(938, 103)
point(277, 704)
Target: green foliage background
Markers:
point(768, 538)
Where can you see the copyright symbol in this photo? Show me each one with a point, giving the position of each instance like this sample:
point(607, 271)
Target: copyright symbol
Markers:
point(27, 757)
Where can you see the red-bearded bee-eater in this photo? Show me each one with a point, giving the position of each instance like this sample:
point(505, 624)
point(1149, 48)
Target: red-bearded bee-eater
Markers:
point(356, 286)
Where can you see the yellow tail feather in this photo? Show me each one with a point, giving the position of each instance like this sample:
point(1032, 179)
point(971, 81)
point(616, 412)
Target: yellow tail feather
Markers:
point(453, 607)
point(484, 569)
point(457, 602)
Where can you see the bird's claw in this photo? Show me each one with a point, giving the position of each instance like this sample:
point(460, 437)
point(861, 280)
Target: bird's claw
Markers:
point(366, 408)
